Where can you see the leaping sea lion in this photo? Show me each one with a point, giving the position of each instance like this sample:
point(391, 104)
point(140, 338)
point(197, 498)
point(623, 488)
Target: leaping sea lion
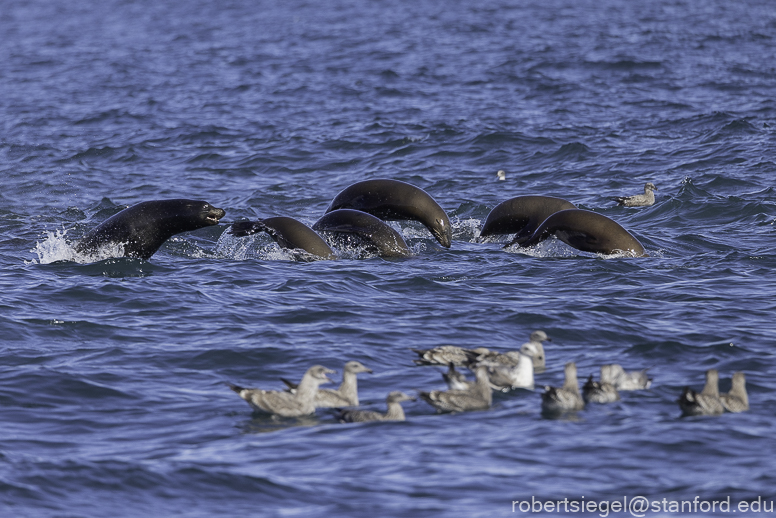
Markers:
point(375, 231)
point(587, 231)
point(393, 200)
point(142, 228)
point(522, 215)
point(288, 233)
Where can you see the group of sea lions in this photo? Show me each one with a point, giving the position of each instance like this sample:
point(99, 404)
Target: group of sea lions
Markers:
point(361, 211)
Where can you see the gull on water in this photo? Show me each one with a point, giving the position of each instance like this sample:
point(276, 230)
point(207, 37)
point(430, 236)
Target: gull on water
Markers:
point(508, 370)
point(599, 392)
point(566, 398)
point(622, 380)
point(535, 349)
point(478, 397)
point(395, 411)
point(286, 404)
point(737, 399)
point(704, 403)
point(639, 200)
point(502, 175)
point(456, 380)
point(345, 395)
point(446, 354)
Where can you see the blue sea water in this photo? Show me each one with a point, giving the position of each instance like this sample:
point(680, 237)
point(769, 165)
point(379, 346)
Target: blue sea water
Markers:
point(113, 395)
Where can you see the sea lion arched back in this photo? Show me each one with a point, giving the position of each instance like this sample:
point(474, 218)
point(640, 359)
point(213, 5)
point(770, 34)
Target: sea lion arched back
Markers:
point(587, 231)
point(394, 200)
point(522, 215)
point(288, 233)
point(388, 242)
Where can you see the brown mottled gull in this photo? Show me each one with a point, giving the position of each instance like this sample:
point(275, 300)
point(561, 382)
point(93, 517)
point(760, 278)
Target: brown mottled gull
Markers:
point(599, 392)
point(477, 398)
point(345, 395)
point(508, 370)
point(622, 380)
point(446, 354)
point(566, 398)
point(286, 404)
point(737, 399)
point(395, 411)
point(535, 349)
point(456, 380)
point(639, 200)
point(704, 403)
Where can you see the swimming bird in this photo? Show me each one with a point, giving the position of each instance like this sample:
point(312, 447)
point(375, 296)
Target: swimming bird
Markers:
point(566, 398)
point(345, 395)
point(737, 399)
point(535, 349)
point(447, 354)
point(599, 392)
point(704, 403)
point(456, 380)
point(395, 411)
point(502, 175)
point(477, 398)
point(622, 380)
point(508, 370)
point(639, 200)
point(286, 404)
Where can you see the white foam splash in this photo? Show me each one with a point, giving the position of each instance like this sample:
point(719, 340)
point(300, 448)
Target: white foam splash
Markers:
point(467, 228)
point(56, 247)
point(255, 247)
point(551, 247)
point(554, 247)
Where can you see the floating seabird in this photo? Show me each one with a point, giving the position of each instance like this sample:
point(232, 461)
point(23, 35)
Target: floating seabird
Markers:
point(446, 354)
point(395, 411)
point(502, 175)
point(286, 404)
point(456, 380)
point(737, 399)
point(622, 380)
point(345, 395)
point(706, 402)
point(477, 398)
point(599, 392)
point(639, 200)
point(566, 398)
point(535, 349)
point(508, 370)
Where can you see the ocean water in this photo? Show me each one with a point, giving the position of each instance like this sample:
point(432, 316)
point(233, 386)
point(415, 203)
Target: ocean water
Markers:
point(113, 372)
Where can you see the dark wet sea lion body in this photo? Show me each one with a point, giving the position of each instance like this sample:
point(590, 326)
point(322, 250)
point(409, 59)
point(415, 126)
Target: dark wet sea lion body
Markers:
point(587, 231)
point(144, 227)
point(371, 229)
point(288, 233)
point(393, 200)
point(522, 216)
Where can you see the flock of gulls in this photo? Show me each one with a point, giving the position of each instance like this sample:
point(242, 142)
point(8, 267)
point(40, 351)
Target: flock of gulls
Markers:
point(492, 371)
